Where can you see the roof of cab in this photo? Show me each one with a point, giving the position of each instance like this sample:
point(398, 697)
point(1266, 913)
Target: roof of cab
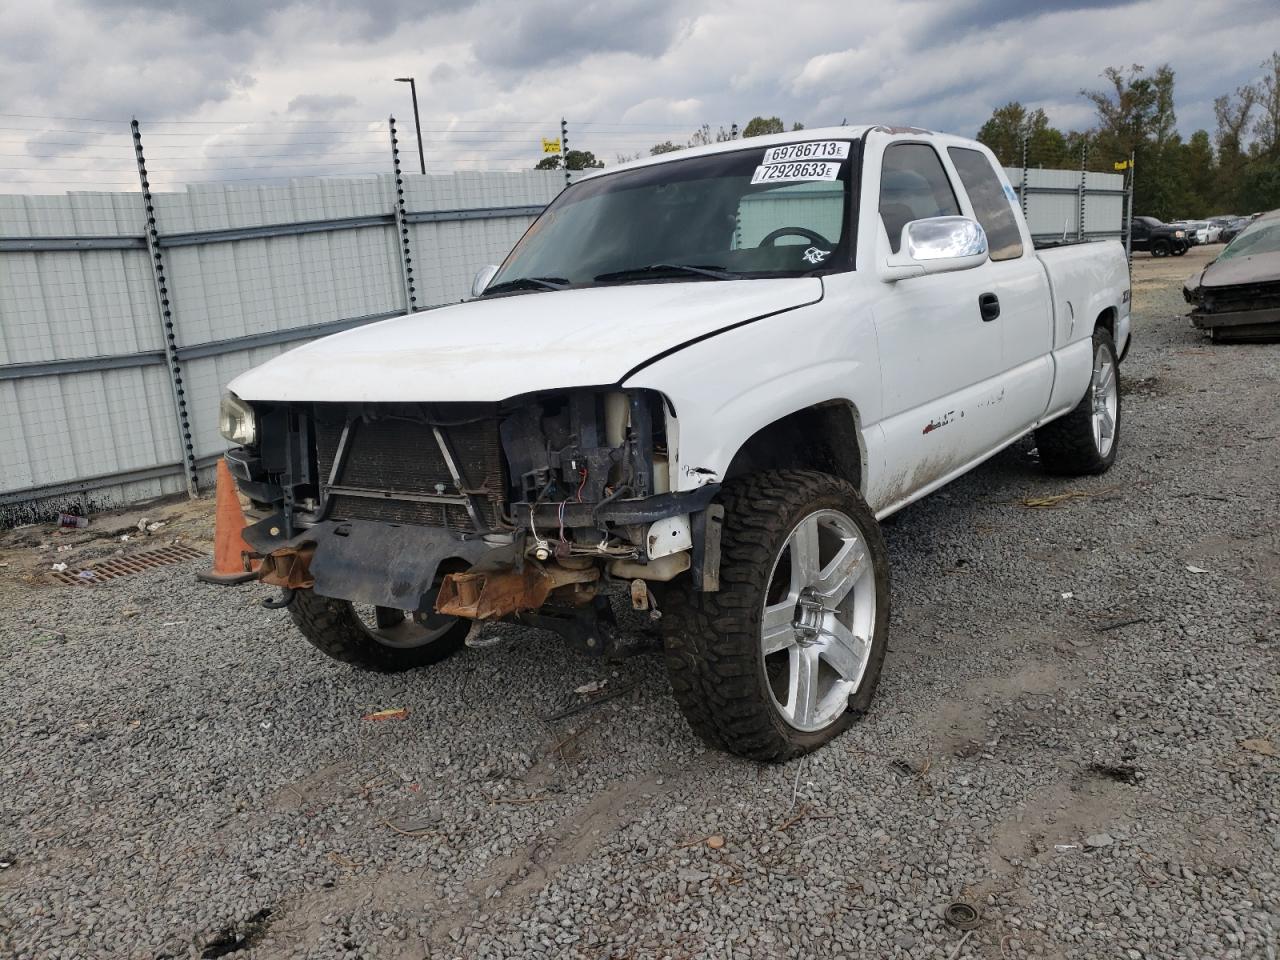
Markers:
point(773, 139)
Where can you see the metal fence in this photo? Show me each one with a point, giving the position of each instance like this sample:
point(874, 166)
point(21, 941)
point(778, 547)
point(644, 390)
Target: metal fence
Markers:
point(123, 315)
point(1071, 204)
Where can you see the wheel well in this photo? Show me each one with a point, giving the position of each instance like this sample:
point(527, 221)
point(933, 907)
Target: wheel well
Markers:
point(1107, 320)
point(822, 437)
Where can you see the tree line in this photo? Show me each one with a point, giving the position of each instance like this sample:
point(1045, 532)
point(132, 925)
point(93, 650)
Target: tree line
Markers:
point(1234, 170)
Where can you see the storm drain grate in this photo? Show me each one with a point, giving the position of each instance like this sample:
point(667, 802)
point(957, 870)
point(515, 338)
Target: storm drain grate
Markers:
point(117, 567)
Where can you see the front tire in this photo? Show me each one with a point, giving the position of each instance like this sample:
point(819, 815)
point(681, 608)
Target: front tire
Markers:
point(789, 651)
point(377, 638)
point(1085, 441)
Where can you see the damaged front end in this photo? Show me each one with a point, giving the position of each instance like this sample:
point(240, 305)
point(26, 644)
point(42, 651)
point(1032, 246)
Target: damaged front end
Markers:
point(1236, 297)
point(521, 510)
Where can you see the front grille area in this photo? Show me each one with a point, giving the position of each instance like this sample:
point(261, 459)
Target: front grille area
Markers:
point(1240, 297)
point(392, 454)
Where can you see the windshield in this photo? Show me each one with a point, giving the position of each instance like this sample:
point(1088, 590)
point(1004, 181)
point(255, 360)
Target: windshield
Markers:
point(781, 211)
point(1261, 237)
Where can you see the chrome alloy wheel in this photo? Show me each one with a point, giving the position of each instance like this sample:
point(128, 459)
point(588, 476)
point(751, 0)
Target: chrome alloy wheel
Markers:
point(1105, 391)
point(819, 616)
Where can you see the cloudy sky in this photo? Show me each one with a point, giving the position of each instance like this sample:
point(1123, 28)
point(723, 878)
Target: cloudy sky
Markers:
point(273, 87)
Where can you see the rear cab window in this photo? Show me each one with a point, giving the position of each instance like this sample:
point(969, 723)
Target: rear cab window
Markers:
point(992, 206)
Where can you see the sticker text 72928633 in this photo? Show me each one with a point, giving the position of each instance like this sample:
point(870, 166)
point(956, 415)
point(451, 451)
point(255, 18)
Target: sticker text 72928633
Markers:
point(790, 172)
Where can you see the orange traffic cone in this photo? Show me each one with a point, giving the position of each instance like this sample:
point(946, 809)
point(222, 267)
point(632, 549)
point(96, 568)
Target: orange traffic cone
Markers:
point(228, 541)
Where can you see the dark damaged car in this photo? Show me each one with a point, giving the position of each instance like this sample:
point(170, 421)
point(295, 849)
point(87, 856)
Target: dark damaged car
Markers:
point(1236, 297)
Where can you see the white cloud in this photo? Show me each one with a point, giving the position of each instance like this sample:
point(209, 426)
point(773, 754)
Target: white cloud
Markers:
point(494, 76)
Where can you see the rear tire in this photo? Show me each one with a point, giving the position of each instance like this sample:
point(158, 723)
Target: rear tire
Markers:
point(1160, 248)
point(394, 642)
point(1085, 441)
point(784, 657)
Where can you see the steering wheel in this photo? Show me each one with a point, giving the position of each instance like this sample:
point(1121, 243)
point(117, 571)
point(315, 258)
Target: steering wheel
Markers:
point(817, 239)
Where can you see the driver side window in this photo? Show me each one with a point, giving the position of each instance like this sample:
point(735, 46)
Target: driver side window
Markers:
point(913, 186)
point(818, 207)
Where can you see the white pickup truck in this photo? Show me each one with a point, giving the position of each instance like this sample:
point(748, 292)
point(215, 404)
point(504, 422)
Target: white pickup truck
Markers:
point(698, 381)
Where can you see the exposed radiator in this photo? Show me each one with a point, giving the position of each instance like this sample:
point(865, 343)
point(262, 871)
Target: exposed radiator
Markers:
point(394, 455)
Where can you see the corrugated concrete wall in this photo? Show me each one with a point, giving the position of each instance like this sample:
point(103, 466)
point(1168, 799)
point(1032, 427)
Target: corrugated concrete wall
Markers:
point(1054, 201)
point(87, 408)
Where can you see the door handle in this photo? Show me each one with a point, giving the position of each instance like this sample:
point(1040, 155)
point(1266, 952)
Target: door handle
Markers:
point(989, 307)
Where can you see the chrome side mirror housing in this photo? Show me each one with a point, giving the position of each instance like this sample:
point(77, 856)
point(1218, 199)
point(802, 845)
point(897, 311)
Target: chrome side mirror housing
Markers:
point(483, 276)
point(937, 245)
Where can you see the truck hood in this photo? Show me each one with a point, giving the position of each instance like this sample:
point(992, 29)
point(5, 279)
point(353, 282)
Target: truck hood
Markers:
point(487, 350)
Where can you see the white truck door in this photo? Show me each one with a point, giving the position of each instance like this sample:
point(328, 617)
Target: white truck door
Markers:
point(1016, 281)
point(939, 358)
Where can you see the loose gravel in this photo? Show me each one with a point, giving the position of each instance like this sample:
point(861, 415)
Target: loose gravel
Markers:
point(1076, 734)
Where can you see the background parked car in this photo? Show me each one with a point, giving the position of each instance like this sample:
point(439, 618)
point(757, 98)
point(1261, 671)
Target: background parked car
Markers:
point(1159, 238)
point(1233, 229)
point(1236, 297)
point(1197, 231)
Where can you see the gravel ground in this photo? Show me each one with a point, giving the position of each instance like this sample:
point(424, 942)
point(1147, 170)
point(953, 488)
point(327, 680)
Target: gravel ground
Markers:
point(1076, 732)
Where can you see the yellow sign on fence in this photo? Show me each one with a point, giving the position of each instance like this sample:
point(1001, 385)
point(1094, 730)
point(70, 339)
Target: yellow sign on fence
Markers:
point(550, 146)
point(1122, 164)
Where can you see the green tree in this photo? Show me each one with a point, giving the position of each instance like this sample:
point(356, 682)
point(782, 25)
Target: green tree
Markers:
point(761, 126)
point(1260, 187)
point(665, 147)
point(1008, 125)
point(1233, 112)
point(1003, 133)
point(1199, 174)
point(1136, 117)
point(574, 160)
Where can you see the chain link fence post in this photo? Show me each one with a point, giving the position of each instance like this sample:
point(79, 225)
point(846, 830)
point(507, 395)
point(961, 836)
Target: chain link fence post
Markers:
point(402, 226)
point(564, 148)
point(1128, 214)
point(1022, 190)
point(164, 302)
point(1084, 177)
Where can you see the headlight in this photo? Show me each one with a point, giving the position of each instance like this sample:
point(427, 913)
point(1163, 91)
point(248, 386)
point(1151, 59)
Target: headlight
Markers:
point(236, 421)
point(1179, 233)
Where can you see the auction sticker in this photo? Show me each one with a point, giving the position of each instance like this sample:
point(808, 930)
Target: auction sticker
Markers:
point(791, 172)
point(811, 150)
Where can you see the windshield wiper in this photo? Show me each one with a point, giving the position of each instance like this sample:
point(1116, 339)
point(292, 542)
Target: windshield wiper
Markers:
point(639, 273)
point(528, 283)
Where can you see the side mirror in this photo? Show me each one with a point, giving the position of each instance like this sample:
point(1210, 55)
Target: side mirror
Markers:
point(482, 279)
point(937, 245)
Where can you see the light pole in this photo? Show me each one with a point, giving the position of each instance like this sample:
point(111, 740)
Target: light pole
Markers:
point(417, 127)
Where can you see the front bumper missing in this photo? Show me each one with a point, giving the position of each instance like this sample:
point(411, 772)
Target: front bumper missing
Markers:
point(364, 561)
point(494, 594)
point(398, 565)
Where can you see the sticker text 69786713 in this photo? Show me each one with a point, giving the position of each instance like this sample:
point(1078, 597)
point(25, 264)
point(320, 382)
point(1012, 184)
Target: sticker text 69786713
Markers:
point(809, 150)
point(790, 172)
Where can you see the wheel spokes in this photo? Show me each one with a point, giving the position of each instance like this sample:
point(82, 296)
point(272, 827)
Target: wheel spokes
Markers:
point(802, 697)
point(845, 651)
point(839, 576)
point(1106, 378)
point(1106, 423)
point(805, 564)
point(777, 628)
